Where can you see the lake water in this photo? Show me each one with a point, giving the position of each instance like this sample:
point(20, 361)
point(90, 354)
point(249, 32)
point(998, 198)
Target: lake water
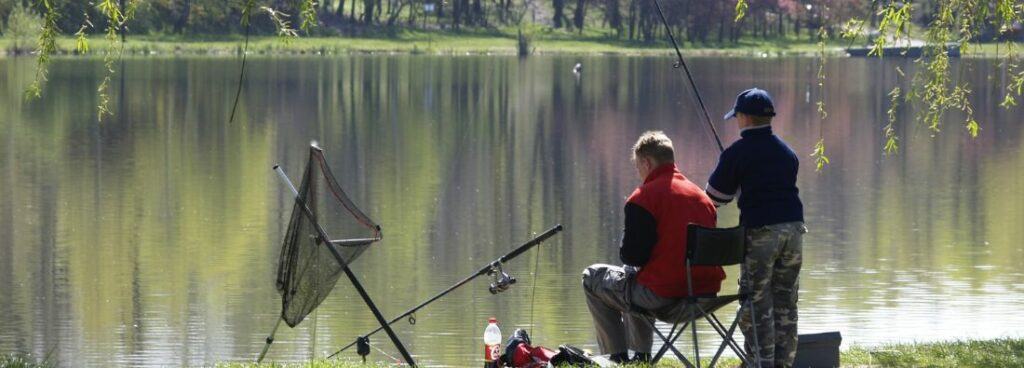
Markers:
point(152, 238)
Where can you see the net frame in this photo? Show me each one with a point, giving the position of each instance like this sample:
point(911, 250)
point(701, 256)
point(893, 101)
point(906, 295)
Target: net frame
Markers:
point(307, 272)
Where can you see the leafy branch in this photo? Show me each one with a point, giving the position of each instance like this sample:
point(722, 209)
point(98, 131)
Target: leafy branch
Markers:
point(47, 46)
point(820, 159)
point(116, 19)
point(741, 10)
point(819, 155)
point(281, 22)
point(891, 139)
point(307, 13)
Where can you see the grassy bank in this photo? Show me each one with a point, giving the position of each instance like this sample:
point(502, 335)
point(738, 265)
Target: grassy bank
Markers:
point(986, 353)
point(449, 43)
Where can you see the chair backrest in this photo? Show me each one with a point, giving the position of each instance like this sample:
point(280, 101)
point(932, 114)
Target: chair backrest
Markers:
point(715, 246)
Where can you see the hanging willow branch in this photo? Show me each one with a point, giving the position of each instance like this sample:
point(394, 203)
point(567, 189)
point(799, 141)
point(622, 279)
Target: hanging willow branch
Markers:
point(47, 46)
point(818, 154)
point(932, 86)
point(307, 12)
point(247, 23)
point(116, 19)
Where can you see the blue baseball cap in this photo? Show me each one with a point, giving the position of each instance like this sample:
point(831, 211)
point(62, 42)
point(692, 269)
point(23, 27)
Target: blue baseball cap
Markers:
point(754, 101)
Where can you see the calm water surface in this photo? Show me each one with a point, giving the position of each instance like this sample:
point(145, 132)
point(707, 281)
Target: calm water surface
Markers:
point(152, 238)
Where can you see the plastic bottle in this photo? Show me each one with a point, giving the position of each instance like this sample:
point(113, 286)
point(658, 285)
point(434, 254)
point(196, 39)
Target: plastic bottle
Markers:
point(492, 343)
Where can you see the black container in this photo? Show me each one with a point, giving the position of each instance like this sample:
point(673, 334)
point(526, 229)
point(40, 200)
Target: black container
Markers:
point(819, 350)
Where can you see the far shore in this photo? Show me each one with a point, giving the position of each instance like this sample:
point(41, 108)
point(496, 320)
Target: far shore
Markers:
point(448, 43)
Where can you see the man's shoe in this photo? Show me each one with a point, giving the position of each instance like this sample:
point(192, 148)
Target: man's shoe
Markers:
point(641, 358)
point(619, 358)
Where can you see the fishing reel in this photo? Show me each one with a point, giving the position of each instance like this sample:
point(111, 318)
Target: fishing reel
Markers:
point(501, 280)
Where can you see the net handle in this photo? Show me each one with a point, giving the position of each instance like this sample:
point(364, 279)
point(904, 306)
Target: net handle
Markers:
point(277, 169)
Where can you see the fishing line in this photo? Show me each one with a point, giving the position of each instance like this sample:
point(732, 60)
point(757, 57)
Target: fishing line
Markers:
point(533, 292)
point(379, 350)
point(689, 76)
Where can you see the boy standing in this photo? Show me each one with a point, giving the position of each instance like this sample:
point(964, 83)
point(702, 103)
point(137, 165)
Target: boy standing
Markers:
point(761, 169)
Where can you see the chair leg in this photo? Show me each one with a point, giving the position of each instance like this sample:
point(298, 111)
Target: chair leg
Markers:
point(753, 323)
point(724, 333)
point(669, 342)
point(696, 346)
point(664, 347)
point(727, 339)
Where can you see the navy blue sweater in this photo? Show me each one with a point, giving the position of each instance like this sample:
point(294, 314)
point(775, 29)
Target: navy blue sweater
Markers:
point(761, 169)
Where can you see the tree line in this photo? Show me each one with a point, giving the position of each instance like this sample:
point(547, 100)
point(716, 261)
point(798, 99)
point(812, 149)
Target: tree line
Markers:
point(701, 21)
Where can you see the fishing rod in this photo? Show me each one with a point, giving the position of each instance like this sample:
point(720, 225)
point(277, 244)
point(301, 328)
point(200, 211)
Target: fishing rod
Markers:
point(502, 282)
point(689, 76)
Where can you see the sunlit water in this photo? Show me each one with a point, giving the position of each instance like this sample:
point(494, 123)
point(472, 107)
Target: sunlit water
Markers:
point(151, 238)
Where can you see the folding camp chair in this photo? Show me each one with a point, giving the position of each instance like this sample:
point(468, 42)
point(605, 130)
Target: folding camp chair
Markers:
point(705, 247)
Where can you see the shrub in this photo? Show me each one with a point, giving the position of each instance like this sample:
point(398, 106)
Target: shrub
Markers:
point(22, 28)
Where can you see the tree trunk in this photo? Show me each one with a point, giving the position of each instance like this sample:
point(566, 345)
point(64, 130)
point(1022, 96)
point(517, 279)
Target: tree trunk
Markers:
point(721, 30)
point(478, 13)
point(456, 13)
point(579, 13)
point(646, 23)
point(341, 9)
point(182, 22)
point(764, 25)
point(614, 17)
point(368, 11)
point(559, 6)
point(632, 19)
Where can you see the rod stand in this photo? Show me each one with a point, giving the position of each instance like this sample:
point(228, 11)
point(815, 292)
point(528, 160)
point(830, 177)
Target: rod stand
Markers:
point(363, 347)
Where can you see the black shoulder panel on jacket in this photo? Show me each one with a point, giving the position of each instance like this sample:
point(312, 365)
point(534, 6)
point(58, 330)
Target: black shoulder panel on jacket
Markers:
point(639, 236)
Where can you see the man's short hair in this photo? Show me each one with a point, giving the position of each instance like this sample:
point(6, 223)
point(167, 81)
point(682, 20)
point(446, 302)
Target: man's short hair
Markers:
point(654, 145)
point(761, 120)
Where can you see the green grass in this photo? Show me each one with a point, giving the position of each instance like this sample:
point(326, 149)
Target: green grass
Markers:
point(22, 361)
point(968, 353)
point(416, 42)
point(987, 353)
point(501, 41)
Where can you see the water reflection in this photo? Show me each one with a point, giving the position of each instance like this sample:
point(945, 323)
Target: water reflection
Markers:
point(151, 238)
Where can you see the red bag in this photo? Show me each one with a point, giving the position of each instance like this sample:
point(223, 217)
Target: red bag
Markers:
point(526, 356)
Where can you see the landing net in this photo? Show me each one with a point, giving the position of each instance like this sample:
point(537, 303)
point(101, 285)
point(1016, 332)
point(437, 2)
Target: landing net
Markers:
point(307, 269)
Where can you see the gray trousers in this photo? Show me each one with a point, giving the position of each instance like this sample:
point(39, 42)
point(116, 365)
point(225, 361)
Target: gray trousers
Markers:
point(610, 290)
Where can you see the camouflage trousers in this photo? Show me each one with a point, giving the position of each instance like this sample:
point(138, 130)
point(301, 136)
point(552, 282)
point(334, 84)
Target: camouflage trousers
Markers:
point(770, 275)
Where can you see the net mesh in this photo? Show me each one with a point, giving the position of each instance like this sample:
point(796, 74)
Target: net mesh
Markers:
point(308, 269)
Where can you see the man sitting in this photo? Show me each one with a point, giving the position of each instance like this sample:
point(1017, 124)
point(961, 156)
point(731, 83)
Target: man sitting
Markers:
point(653, 250)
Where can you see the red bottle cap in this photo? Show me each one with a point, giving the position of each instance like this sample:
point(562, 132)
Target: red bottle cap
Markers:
point(492, 320)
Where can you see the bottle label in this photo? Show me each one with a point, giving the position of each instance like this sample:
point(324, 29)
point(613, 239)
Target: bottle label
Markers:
point(492, 352)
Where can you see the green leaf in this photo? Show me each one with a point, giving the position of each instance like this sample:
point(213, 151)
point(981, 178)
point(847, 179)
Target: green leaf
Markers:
point(741, 10)
point(81, 41)
point(820, 159)
point(973, 128)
